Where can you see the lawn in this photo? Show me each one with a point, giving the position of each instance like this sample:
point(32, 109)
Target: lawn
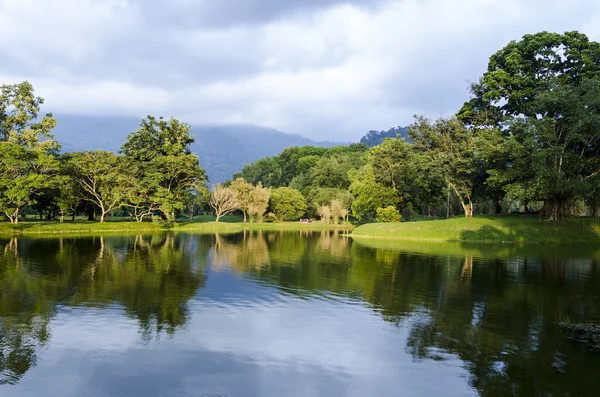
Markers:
point(489, 229)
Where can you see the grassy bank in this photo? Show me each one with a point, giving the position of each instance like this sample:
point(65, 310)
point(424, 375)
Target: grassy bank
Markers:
point(202, 225)
point(488, 229)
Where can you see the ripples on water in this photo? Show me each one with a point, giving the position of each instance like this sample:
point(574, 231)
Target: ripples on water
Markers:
point(292, 314)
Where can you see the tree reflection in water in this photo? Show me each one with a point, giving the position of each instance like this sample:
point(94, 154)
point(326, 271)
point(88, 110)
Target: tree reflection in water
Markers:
point(150, 277)
point(496, 309)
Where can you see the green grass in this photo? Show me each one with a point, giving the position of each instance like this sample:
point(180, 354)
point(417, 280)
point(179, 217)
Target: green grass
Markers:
point(203, 224)
point(28, 227)
point(488, 229)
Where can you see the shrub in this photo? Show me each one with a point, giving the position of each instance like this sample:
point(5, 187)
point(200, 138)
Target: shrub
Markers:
point(388, 214)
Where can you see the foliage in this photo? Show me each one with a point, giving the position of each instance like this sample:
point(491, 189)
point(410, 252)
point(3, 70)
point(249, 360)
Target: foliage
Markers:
point(100, 177)
point(23, 172)
point(223, 200)
point(163, 172)
point(338, 210)
point(539, 103)
point(325, 213)
point(374, 138)
point(369, 194)
point(287, 203)
point(259, 202)
point(19, 121)
point(244, 192)
point(450, 149)
point(388, 214)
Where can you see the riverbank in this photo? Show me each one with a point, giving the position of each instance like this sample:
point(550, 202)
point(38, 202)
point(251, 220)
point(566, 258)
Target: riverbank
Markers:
point(488, 229)
point(81, 227)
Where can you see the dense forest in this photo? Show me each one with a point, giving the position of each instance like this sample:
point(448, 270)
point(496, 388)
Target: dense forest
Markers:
point(527, 140)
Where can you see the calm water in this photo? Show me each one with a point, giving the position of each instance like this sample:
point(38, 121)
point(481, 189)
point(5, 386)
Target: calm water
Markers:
point(292, 314)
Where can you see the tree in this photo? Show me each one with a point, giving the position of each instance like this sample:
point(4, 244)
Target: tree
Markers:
point(68, 196)
point(259, 202)
point(101, 178)
point(337, 210)
point(244, 192)
point(223, 200)
point(23, 173)
point(388, 214)
point(374, 138)
point(369, 194)
point(450, 148)
point(27, 150)
point(539, 102)
point(325, 213)
point(287, 203)
point(162, 164)
point(19, 121)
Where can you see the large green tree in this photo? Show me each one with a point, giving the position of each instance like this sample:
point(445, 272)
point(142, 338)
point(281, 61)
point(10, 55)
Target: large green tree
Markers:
point(287, 203)
point(539, 103)
point(163, 165)
point(449, 148)
point(27, 150)
point(101, 178)
point(369, 195)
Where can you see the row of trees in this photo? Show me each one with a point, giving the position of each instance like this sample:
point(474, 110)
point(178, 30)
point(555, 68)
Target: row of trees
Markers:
point(284, 203)
point(529, 135)
point(155, 173)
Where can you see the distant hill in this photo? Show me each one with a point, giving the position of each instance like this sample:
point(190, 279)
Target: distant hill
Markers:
point(374, 138)
point(223, 150)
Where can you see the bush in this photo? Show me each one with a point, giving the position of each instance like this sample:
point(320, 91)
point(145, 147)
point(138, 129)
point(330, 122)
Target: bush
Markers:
point(388, 214)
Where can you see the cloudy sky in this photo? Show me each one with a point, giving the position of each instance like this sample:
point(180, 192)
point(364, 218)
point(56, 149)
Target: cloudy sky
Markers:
point(325, 69)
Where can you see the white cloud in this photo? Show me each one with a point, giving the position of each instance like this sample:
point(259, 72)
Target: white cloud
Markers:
point(325, 72)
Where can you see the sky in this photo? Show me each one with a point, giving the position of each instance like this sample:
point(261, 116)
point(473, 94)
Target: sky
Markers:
point(324, 69)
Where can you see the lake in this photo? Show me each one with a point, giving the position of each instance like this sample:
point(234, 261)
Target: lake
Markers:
point(293, 314)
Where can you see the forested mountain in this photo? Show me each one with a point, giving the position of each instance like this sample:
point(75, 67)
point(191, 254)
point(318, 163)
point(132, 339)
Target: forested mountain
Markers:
point(374, 138)
point(223, 150)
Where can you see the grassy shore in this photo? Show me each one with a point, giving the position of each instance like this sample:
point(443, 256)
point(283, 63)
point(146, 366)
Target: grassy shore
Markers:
point(232, 224)
point(488, 229)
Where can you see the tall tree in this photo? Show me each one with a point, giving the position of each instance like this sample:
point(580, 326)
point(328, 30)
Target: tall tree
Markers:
point(163, 163)
point(244, 195)
point(27, 150)
point(369, 194)
point(539, 96)
point(101, 178)
point(23, 173)
point(450, 148)
point(259, 202)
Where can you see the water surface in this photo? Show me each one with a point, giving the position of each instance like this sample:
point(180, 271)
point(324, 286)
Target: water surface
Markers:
point(292, 314)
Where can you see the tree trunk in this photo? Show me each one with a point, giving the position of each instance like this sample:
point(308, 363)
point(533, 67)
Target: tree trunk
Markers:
point(497, 206)
point(468, 208)
point(62, 216)
point(554, 209)
point(91, 213)
point(14, 219)
point(218, 214)
point(244, 211)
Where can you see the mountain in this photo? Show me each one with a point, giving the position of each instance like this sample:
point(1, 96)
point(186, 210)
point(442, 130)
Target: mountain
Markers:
point(222, 149)
point(374, 138)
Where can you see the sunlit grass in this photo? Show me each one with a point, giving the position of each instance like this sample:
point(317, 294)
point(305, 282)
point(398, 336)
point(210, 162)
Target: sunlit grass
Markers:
point(489, 229)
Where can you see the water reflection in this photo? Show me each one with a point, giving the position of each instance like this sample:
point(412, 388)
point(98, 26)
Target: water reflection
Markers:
point(328, 304)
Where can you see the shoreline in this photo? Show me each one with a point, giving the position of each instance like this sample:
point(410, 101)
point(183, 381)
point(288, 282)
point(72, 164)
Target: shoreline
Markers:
point(70, 228)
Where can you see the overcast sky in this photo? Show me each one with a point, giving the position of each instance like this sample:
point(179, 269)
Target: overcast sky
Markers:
point(325, 69)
